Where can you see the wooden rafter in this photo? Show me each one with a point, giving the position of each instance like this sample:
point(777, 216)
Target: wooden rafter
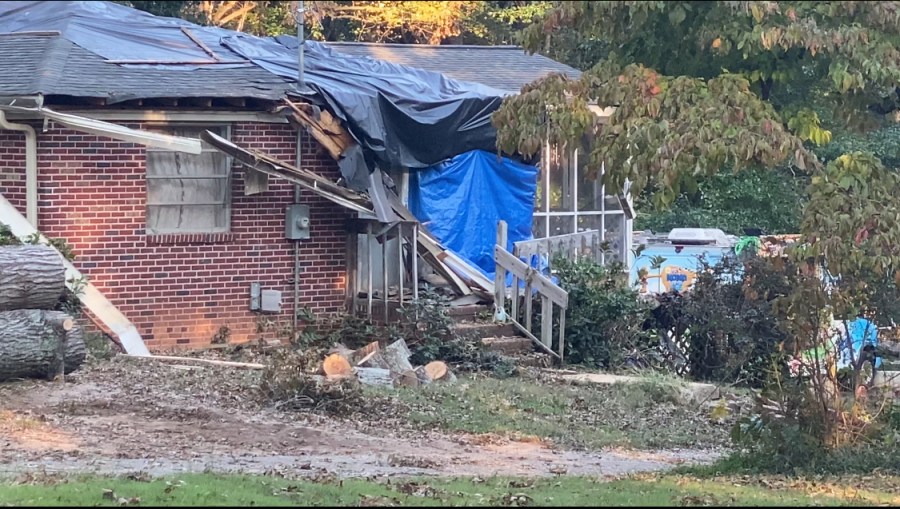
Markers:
point(323, 126)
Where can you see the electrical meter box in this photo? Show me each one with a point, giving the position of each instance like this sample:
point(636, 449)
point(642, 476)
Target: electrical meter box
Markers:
point(296, 222)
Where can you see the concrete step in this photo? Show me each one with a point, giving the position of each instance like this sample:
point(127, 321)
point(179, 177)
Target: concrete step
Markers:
point(485, 329)
point(470, 312)
point(531, 360)
point(508, 344)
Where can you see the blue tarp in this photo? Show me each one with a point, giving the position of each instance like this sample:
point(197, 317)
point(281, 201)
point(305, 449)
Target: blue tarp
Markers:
point(461, 200)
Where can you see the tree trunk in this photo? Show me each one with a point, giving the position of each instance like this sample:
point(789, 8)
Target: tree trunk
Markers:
point(31, 342)
point(31, 277)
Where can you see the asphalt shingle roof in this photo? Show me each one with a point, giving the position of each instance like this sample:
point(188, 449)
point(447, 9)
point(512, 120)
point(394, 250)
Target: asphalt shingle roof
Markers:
point(506, 68)
point(51, 65)
point(70, 49)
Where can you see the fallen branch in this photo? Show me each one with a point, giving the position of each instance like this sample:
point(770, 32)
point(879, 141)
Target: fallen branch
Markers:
point(168, 358)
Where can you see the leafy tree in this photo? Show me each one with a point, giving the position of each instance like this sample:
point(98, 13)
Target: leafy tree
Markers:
point(771, 201)
point(699, 85)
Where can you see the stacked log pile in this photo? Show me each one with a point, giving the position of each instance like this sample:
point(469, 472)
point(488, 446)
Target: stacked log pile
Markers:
point(36, 341)
point(388, 366)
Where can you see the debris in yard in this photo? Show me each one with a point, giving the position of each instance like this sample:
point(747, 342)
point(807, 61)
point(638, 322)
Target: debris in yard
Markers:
point(168, 358)
point(367, 501)
point(396, 460)
point(514, 500)
point(286, 383)
point(375, 376)
point(386, 367)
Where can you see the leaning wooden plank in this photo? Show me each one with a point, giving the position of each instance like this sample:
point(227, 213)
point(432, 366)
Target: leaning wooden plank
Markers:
point(538, 281)
point(315, 183)
point(31, 277)
point(533, 338)
point(170, 358)
point(106, 315)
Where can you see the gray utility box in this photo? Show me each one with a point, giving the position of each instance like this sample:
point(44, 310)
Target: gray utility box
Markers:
point(267, 301)
point(296, 222)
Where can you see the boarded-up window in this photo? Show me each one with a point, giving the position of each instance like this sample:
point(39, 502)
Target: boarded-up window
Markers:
point(189, 193)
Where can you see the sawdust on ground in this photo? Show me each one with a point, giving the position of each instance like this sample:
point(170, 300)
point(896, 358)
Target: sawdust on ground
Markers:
point(123, 416)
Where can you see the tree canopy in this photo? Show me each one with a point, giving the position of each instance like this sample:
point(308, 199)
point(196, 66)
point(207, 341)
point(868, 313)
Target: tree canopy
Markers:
point(701, 87)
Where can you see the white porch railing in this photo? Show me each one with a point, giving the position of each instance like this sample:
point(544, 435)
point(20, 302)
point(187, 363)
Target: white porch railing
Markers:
point(551, 295)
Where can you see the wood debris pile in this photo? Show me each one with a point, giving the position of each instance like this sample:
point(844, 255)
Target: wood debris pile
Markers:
point(388, 366)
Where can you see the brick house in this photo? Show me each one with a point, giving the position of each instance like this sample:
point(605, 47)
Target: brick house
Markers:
point(173, 241)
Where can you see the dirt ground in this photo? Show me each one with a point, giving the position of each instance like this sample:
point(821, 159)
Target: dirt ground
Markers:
point(127, 416)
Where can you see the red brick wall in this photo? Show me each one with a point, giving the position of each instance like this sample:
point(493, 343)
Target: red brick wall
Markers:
point(180, 291)
point(12, 167)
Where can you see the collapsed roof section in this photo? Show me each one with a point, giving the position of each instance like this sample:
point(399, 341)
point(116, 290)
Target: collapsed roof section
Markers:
point(401, 116)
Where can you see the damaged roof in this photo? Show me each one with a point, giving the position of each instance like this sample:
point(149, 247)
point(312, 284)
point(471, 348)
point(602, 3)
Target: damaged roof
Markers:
point(48, 64)
point(78, 49)
point(506, 68)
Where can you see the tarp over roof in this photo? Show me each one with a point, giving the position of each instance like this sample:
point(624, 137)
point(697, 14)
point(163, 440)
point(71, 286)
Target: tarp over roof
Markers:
point(401, 116)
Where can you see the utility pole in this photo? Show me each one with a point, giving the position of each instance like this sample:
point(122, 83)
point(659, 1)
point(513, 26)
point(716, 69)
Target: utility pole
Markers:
point(300, 35)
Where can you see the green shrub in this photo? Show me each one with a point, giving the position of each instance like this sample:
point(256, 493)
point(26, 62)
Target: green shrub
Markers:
point(604, 318)
point(727, 320)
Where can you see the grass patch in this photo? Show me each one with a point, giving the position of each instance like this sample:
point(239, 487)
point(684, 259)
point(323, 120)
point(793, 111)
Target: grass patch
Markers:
point(640, 415)
point(242, 490)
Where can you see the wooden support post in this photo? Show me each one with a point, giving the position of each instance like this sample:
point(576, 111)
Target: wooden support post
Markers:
point(414, 241)
point(500, 276)
point(369, 267)
point(528, 304)
point(514, 307)
point(562, 335)
point(384, 273)
point(400, 269)
point(546, 321)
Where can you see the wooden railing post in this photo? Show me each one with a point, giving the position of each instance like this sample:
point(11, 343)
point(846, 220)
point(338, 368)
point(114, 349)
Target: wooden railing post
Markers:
point(500, 276)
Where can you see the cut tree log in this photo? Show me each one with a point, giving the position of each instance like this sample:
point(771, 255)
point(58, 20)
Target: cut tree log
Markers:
point(408, 378)
point(336, 365)
point(375, 376)
point(31, 277)
point(374, 357)
point(361, 355)
point(422, 376)
point(32, 342)
point(396, 355)
point(438, 371)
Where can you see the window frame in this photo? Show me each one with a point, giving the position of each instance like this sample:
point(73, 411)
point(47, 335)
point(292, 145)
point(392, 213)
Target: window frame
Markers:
point(170, 128)
point(542, 207)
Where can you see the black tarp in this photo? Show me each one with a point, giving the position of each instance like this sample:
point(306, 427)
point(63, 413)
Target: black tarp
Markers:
point(401, 116)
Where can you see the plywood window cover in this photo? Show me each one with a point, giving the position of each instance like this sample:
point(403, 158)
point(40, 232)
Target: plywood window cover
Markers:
point(226, 198)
